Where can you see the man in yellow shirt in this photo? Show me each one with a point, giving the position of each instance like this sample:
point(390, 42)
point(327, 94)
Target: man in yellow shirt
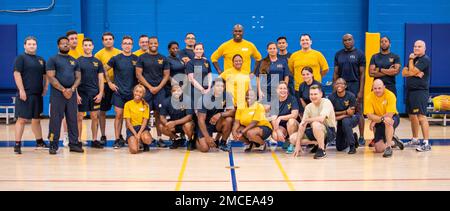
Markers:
point(382, 111)
point(307, 57)
point(237, 45)
point(104, 55)
point(143, 45)
point(73, 44)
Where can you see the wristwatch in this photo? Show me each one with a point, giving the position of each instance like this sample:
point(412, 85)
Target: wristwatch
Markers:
point(382, 119)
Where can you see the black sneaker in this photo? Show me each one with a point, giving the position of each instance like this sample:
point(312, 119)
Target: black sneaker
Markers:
point(387, 152)
point(352, 150)
point(53, 149)
point(161, 144)
point(320, 154)
point(41, 144)
point(175, 144)
point(103, 140)
point(116, 144)
point(398, 143)
point(145, 147)
point(190, 145)
point(76, 148)
point(223, 146)
point(18, 148)
point(314, 149)
point(355, 136)
point(122, 140)
point(97, 144)
point(248, 147)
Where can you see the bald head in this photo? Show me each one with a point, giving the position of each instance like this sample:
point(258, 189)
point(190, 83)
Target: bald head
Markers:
point(348, 41)
point(419, 48)
point(378, 87)
point(238, 32)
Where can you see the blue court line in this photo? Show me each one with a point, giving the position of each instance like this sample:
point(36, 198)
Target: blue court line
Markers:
point(32, 143)
point(232, 170)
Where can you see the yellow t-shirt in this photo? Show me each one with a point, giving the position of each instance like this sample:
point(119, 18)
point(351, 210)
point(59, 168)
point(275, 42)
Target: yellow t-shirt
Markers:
point(75, 53)
point(104, 56)
point(237, 83)
point(380, 106)
point(139, 52)
point(136, 112)
point(256, 112)
point(301, 59)
point(230, 48)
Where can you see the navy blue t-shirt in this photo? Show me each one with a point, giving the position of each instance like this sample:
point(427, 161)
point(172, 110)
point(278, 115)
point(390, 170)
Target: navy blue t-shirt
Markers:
point(286, 107)
point(349, 63)
point(124, 73)
point(212, 105)
point(153, 67)
point(177, 111)
point(65, 67)
point(304, 91)
point(342, 103)
point(90, 68)
point(279, 67)
point(385, 61)
point(176, 66)
point(32, 69)
point(198, 66)
point(285, 57)
point(186, 53)
point(415, 83)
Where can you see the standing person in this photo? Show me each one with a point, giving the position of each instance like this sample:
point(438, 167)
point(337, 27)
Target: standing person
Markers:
point(198, 70)
point(350, 65)
point(307, 57)
point(64, 74)
point(270, 69)
point(382, 112)
point(104, 55)
point(31, 82)
point(251, 125)
point(136, 113)
point(417, 74)
point(284, 122)
point(176, 116)
point(385, 65)
point(303, 91)
point(215, 115)
point(344, 104)
point(187, 53)
point(177, 69)
point(318, 125)
point(237, 45)
point(143, 45)
point(90, 91)
point(283, 53)
point(237, 83)
point(153, 72)
point(124, 66)
point(73, 44)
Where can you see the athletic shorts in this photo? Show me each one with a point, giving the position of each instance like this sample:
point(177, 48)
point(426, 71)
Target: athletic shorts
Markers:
point(31, 108)
point(380, 133)
point(417, 101)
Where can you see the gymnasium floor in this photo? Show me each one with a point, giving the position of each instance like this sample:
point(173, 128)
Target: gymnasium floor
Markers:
point(169, 170)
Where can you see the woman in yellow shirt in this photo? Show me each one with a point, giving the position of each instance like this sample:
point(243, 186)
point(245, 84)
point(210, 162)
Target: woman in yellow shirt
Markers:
point(237, 82)
point(251, 125)
point(136, 115)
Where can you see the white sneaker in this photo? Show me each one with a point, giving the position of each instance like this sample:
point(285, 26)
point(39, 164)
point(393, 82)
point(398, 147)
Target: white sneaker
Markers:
point(248, 147)
point(262, 147)
point(424, 148)
point(66, 140)
point(412, 143)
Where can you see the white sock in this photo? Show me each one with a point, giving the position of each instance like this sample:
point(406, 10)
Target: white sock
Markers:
point(425, 142)
point(414, 139)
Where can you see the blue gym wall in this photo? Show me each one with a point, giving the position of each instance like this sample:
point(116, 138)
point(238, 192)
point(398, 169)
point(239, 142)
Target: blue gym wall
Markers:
point(264, 21)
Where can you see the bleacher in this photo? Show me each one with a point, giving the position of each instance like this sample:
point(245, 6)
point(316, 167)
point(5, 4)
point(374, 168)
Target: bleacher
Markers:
point(7, 100)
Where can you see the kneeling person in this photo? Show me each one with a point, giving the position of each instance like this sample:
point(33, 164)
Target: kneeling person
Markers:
point(136, 113)
point(318, 124)
point(176, 117)
point(216, 115)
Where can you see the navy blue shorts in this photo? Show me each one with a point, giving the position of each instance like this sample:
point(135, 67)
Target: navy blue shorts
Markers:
point(210, 128)
point(417, 102)
point(119, 101)
point(106, 105)
point(136, 128)
point(155, 100)
point(380, 133)
point(331, 134)
point(88, 103)
point(267, 132)
point(29, 109)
